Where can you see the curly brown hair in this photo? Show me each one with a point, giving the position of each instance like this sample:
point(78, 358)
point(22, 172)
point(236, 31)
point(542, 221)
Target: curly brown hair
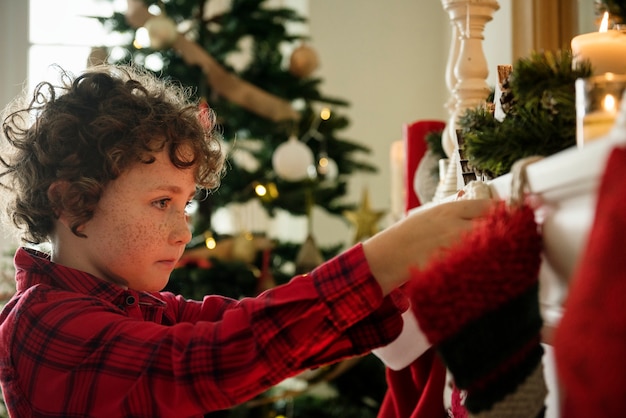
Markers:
point(89, 129)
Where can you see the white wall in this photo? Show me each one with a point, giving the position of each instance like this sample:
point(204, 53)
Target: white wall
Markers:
point(388, 59)
point(13, 49)
point(13, 69)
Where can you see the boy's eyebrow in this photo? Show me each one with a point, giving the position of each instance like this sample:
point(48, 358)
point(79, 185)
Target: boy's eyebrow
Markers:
point(174, 189)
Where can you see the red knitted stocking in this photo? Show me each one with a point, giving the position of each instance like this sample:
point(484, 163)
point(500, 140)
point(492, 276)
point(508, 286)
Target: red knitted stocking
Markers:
point(478, 305)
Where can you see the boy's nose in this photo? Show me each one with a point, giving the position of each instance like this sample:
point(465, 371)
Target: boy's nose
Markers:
point(181, 231)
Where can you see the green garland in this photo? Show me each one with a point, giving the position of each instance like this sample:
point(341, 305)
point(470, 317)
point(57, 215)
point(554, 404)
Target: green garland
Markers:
point(616, 9)
point(540, 118)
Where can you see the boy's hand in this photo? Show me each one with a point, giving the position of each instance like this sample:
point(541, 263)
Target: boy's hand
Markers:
point(413, 241)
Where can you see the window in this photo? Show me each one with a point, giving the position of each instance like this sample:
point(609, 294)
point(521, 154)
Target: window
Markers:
point(63, 32)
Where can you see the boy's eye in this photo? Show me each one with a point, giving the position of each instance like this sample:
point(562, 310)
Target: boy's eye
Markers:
point(162, 203)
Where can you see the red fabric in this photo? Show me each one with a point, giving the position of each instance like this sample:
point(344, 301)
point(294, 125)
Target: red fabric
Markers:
point(415, 146)
point(417, 390)
point(590, 341)
point(495, 262)
point(74, 345)
point(457, 408)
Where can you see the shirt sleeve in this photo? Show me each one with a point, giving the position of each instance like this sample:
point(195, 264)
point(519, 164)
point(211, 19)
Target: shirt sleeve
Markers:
point(218, 353)
point(338, 307)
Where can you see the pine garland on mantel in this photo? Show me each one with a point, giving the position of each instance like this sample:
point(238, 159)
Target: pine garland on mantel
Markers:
point(540, 117)
point(616, 9)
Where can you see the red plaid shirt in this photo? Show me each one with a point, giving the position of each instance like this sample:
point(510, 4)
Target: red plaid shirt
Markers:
point(72, 345)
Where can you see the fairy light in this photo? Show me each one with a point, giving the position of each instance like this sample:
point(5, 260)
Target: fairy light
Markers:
point(609, 103)
point(267, 191)
point(260, 190)
point(325, 113)
point(142, 38)
point(210, 242)
point(272, 190)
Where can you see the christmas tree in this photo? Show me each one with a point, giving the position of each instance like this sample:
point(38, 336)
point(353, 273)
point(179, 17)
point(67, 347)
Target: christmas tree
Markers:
point(259, 80)
point(284, 152)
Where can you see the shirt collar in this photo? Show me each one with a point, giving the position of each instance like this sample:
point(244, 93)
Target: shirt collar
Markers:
point(34, 267)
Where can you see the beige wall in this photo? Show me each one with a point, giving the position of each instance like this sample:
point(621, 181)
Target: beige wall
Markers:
point(388, 59)
point(13, 64)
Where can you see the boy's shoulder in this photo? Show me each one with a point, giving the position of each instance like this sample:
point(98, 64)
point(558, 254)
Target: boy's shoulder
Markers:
point(42, 303)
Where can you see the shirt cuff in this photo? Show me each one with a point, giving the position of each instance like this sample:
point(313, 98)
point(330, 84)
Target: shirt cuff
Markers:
point(347, 286)
point(404, 350)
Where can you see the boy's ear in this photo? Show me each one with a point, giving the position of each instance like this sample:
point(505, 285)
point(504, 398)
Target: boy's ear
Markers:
point(60, 198)
point(56, 194)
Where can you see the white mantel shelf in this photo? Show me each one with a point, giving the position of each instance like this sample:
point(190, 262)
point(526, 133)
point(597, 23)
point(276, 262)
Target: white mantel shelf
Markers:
point(566, 185)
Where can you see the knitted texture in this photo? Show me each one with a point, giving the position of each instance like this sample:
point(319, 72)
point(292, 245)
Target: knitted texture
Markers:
point(590, 341)
point(527, 401)
point(477, 302)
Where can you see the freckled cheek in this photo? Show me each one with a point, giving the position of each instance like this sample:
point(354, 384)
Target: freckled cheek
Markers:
point(136, 234)
point(149, 234)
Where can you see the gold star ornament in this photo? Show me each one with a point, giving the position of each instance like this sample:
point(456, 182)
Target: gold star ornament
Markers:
point(364, 219)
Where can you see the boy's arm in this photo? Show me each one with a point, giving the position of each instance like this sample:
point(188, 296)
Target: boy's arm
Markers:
point(341, 293)
point(190, 368)
point(413, 241)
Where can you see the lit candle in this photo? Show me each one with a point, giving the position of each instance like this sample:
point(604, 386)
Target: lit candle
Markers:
point(599, 123)
point(605, 49)
point(598, 101)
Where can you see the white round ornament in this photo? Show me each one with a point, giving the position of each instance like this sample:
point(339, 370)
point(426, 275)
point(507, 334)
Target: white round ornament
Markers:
point(291, 160)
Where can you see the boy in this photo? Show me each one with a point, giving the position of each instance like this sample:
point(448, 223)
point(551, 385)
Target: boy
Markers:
point(104, 174)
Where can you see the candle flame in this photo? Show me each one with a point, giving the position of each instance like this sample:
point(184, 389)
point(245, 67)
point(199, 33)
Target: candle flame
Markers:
point(609, 103)
point(604, 24)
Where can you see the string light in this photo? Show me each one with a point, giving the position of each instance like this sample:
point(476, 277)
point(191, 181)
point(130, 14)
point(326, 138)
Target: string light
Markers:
point(142, 38)
point(260, 190)
point(609, 103)
point(209, 241)
point(267, 191)
point(323, 162)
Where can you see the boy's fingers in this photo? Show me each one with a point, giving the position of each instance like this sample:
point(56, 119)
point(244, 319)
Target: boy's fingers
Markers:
point(471, 209)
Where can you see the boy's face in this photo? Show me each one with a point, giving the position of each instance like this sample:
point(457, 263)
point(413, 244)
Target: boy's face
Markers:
point(140, 228)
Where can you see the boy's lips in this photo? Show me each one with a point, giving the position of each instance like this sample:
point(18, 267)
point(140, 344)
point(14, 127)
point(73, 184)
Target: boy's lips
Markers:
point(169, 263)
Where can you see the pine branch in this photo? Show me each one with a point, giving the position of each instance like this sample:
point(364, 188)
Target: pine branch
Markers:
point(541, 119)
point(616, 9)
